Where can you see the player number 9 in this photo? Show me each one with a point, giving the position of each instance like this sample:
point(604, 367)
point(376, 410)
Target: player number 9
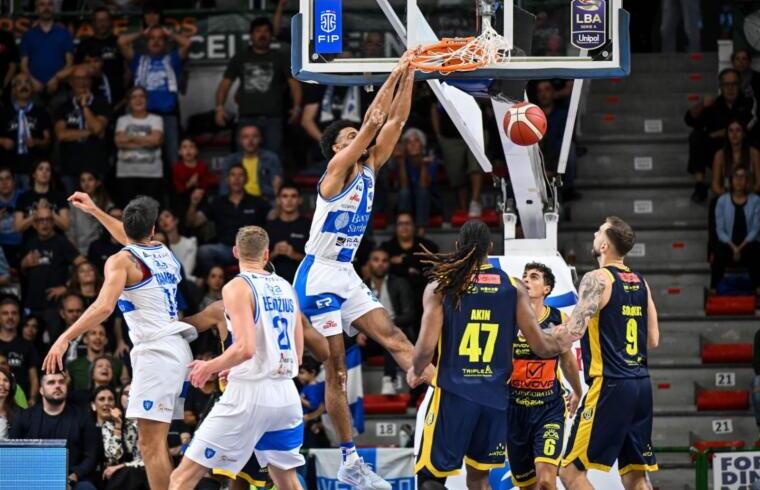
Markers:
point(632, 337)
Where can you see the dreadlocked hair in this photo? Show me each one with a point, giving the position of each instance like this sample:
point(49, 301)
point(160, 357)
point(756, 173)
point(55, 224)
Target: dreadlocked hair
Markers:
point(456, 271)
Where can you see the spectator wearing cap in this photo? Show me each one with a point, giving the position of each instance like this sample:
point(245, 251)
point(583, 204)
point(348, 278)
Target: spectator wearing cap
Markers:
point(23, 358)
point(46, 48)
point(25, 129)
point(264, 75)
point(709, 119)
point(54, 418)
point(158, 70)
point(81, 125)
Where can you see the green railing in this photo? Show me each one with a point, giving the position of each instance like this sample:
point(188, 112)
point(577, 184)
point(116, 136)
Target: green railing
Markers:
point(702, 459)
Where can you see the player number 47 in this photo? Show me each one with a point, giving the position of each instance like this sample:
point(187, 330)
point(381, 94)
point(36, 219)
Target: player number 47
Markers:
point(470, 344)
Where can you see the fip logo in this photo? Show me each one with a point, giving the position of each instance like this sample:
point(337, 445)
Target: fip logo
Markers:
point(327, 20)
point(328, 27)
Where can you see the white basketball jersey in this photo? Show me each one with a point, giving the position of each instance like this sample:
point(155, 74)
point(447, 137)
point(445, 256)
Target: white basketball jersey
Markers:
point(150, 307)
point(274, 322)
point(339, 223)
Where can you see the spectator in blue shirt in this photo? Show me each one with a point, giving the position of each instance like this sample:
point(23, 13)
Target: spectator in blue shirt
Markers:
point(737, 224)
point(46, 48)
point(159, 70)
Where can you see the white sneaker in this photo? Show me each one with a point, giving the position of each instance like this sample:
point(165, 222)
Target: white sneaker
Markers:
point(389, 387)
point(361, 476)
point(475, 209)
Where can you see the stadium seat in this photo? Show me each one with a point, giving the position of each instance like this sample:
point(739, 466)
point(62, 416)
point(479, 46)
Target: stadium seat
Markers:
point(727, 353)
point(491, 217)
point(722, 400)
point(375, 361)
point(706, 445)
point(309, 181)
point(379, 221)
point(730, 305)
point(385, 404)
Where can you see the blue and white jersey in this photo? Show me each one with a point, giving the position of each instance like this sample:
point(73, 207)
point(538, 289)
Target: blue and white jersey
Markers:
point(339, 223)
point(150, 307)
point(274, 322)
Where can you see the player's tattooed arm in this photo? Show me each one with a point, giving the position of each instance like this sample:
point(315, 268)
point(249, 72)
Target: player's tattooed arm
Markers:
point(590, 296)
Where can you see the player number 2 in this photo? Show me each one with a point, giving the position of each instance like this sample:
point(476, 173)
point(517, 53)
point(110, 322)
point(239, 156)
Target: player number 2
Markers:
point(470, 344)
point(550, 445)
point(281, 324)
point(632, 337)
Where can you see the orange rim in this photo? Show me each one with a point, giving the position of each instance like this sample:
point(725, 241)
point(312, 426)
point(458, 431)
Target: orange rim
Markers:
point(428, 58)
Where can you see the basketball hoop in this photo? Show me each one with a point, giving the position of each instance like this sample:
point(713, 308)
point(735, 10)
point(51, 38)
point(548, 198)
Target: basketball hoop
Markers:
point(464, 53)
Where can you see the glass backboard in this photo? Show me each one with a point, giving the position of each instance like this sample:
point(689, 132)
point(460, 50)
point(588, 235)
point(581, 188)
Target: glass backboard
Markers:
point(355, 42)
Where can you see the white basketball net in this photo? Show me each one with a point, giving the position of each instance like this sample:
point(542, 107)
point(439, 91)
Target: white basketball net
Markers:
point(465, 54)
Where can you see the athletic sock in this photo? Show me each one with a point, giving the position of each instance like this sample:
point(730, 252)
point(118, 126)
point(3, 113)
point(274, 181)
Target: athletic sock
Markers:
point(348, 451)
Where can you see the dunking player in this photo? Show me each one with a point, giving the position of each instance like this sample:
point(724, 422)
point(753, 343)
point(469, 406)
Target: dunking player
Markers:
point(260, 407)
point(536, 411)
point(143, 277)
point(330, 292)
point(471, 313)
point(616, 320)
point(212, 316)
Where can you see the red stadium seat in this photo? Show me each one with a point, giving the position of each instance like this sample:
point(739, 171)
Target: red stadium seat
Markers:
point(436, 221)
point(377, 404)
point(703, 446)
point(306, 180)
point(722, 400)
point(379, 221)
point(730, 305)
point(375, 361)
point(727, 353)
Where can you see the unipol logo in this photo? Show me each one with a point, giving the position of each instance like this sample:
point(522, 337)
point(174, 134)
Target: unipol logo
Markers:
point(328, 21)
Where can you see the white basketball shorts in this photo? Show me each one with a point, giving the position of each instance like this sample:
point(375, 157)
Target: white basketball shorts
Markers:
point(159, 379)
point(264, 417)
point(332, 295)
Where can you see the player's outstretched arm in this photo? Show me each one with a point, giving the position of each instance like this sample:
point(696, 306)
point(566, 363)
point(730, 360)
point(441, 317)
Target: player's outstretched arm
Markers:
point(374, 118)
point(430, 331)
point(83, 202)
point(238, 303)
point(541, 342)
point(653, 324)
point(211, 316)
point(115, 279)
point(399, 112)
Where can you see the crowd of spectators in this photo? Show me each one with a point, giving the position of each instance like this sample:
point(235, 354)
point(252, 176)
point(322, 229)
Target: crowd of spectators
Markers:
point(725, 144)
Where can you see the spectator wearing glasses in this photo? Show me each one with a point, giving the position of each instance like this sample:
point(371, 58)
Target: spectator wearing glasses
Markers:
point(709, 119)
point(25, 129)
point(47, 257)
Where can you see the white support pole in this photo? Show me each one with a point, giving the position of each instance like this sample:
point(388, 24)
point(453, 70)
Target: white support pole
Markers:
point(572, 112)
point(509, 21)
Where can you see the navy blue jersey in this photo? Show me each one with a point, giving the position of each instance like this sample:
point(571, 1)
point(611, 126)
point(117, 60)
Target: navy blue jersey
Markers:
point(475, 348)
point(615, 343)
point(535, 380)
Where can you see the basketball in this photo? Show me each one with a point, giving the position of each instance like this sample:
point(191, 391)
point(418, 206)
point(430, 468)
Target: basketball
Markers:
point(525, 124)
